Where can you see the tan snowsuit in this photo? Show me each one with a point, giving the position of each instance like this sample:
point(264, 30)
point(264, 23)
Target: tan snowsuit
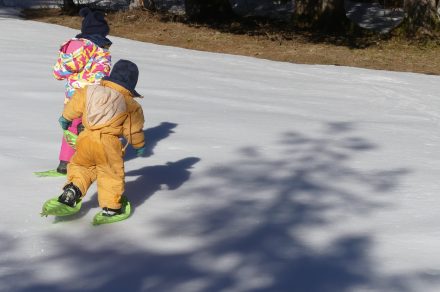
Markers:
point(108, 112)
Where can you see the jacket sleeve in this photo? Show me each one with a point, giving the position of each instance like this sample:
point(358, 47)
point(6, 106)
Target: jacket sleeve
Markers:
point(133, 125)
point(68, 64)
point(75, 107)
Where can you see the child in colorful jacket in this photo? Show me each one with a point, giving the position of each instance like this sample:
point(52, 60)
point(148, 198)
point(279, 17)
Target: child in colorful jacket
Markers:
point(108, 112)
point(82, 61)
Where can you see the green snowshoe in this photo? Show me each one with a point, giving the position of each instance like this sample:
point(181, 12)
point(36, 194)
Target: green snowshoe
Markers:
point(55, 208)
point(49, 173)
point(103, 218)
point(68, 203)
point(71, 140)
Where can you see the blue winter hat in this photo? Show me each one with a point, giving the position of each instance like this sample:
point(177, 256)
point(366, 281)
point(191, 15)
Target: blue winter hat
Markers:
point(93, 22)
point(126, 74)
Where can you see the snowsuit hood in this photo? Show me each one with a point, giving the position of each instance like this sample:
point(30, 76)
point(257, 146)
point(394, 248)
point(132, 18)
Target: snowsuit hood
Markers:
point(85, 65)
point(126, 74)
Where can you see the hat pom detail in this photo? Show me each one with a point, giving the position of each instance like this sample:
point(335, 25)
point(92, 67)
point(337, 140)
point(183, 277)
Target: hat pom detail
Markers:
point(93, 22)
point(84, 11)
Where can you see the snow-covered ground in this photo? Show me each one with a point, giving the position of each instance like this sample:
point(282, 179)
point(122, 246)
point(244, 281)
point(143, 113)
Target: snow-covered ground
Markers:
point(260, 176)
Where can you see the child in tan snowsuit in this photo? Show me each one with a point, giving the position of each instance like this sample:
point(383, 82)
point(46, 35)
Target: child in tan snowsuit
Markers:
point(108, 112)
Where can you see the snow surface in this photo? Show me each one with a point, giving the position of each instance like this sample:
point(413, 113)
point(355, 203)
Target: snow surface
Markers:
point(260, 176)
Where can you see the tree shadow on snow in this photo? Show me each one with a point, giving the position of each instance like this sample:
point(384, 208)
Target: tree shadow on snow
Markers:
point(154, 178)
point(258, 223)
point(150, 180)
point(152, 137)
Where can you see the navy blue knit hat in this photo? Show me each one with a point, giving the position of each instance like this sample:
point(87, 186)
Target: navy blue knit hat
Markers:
point(93, 22)
point(125, 73)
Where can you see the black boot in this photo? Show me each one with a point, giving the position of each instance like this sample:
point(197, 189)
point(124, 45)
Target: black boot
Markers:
point(70, 196)
point(109, 212)
point(62, 167)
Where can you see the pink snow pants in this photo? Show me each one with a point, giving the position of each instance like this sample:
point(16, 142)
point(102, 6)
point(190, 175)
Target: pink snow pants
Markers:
point(66, 151)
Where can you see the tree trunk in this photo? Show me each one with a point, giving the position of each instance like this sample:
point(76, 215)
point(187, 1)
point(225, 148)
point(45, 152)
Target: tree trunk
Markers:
point(422, 14)
point(69, 7)
point(150, 5)
point(192, 8)
point(137, 4)
point(328, 14)
point(208, 9)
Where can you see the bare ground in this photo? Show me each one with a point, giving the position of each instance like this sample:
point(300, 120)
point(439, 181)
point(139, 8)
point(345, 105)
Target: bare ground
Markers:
point(257, 40)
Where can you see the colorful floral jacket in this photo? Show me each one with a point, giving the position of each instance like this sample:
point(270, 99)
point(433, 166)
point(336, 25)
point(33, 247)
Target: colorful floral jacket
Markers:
point(86, 64)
